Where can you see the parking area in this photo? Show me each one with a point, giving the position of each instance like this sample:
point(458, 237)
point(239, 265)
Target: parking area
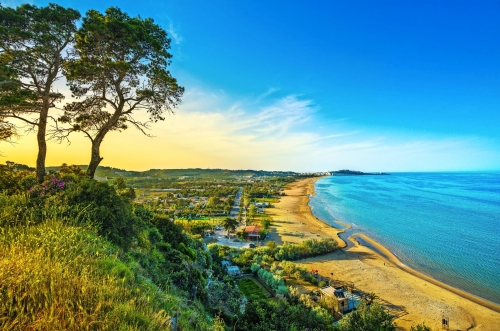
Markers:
point(220, 236)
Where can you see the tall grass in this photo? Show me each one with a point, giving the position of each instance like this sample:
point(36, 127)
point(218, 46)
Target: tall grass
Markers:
point(58, 277)
point(57, 271)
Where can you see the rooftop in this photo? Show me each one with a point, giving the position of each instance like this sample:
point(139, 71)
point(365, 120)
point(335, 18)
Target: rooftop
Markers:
point(253, 230)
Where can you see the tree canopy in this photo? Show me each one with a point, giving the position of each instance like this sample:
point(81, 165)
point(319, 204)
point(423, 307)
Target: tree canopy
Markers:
point(372, 317)
point(33, 45)
point(229, 224)
point(119, 67)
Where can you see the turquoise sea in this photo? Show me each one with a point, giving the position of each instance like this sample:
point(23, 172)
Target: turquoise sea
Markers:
point(445, 225)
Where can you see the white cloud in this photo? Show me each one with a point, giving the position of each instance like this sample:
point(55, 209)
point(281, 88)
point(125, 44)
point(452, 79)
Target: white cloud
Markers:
point(284, 133)
point(174, 34)
point(212, 130)
point(15, 3)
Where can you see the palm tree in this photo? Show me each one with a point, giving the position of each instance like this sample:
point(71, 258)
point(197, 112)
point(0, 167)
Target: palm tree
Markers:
point(371, 297)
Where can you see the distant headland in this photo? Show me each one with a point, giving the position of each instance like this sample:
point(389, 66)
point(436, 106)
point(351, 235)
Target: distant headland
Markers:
point(346, 172)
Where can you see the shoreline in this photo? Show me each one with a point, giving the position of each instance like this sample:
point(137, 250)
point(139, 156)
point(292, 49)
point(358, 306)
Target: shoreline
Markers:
point(431, 299)
point(391, 258)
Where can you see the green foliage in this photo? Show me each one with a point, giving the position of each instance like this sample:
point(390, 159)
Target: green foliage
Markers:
point(120, 62)
point(242, 235)
point(252, 211)
point(273, 281)
point(262, 233)
point(98, 203)
point(255, 268)
point(266, 224)
point(35, 40)
point(420, 327)
point(307, 248)
point(369, 318)
point(288, 267)
point(224, 298)
point(144, 214)
point(55, 277)
point(261, 315)
point(171, 232)
point(252, 289)
point(229, 223)
point(14, 178)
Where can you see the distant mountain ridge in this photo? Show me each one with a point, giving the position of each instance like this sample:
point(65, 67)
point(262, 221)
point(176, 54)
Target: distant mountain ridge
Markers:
point(347, 172)
point(103, 171)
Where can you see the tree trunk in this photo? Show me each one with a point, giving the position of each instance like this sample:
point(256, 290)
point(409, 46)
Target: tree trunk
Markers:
point(42, 145)
point(95, 158)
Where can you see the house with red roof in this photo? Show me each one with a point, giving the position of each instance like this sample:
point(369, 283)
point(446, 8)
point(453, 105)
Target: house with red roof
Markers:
point(253, 232)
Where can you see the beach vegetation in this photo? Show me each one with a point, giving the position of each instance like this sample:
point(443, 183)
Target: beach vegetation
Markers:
point(309, 247)
point(371, 297)
point(420, 327)
point(272, 280)
point(282, 315)
point(143, 255)
point(367, 317)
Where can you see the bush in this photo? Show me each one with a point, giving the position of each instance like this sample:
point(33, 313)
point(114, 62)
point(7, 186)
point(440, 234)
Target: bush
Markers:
point(372, 317)
point(307, 248)
point(273, 281)
point(420, 327)
point(255, 267)
point(281, 315)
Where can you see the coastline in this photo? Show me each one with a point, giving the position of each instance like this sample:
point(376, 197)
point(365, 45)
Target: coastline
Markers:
point(391, 258)
point(412, 296)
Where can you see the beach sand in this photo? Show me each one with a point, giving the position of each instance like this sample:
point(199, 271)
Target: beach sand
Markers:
point(411, 296)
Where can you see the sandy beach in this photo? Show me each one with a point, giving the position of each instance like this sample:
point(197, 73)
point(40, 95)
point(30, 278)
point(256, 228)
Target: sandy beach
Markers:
point(411, 296)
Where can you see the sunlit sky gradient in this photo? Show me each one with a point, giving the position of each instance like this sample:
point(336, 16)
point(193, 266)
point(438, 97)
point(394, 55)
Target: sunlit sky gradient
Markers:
point(303, 86)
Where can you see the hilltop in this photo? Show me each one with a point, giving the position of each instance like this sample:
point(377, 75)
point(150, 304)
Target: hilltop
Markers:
point(198, 173)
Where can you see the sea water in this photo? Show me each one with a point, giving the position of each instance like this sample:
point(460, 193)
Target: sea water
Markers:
point(445, 225)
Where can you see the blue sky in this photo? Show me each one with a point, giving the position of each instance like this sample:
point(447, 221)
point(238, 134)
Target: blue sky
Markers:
point(292, 85)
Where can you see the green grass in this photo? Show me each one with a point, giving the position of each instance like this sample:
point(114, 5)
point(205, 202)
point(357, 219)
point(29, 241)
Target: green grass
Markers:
point(270, 200)
point(193, 219)
point(252, 289)
point(59, 277)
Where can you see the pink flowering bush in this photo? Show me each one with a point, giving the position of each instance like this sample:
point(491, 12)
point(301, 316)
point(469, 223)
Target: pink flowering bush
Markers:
point(49, 187)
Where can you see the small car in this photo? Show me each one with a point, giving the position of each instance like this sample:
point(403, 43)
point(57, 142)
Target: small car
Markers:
point(251, 245)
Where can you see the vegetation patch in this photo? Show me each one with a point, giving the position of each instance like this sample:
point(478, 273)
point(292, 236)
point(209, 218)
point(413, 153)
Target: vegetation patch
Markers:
point(252, 290)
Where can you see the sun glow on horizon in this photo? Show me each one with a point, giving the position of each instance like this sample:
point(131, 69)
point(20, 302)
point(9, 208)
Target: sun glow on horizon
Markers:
point(269, 132)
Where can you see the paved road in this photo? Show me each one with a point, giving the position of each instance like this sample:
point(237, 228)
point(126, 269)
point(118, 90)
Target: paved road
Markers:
point(221, 234)
point(236, 208)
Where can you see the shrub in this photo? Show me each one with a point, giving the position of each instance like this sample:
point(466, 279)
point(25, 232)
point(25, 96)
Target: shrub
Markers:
point(98, 203)
point(372, 317)
point(255, 267)
point(307, 248)
point(281, 315)
point(273, 281)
